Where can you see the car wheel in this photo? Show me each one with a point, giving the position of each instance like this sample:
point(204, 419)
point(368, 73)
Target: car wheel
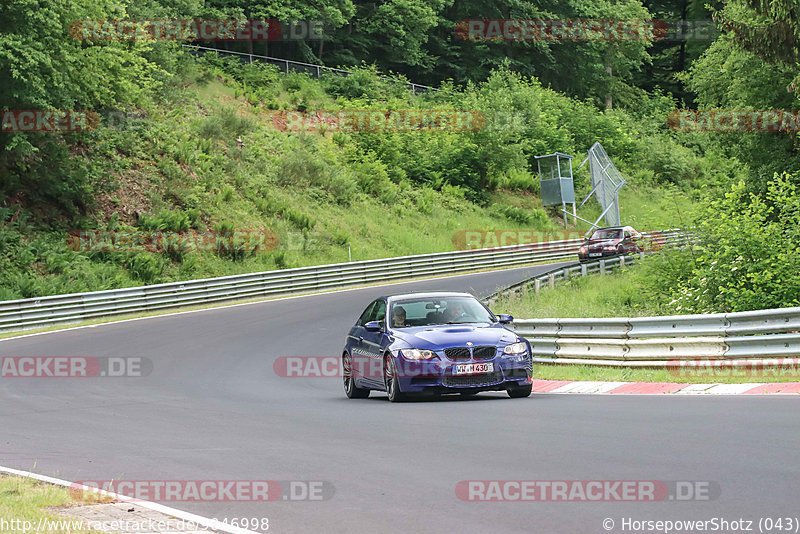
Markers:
point(350, 389)
point(390, 379)
point(620, 250)
point(520, 391)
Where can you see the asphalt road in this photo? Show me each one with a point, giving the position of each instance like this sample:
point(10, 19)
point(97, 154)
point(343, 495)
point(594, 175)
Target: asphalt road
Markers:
point(213, 409)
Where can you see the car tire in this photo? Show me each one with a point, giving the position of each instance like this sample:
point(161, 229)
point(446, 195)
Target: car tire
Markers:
point(350, 389)
point(390, 380)
point(520, 392)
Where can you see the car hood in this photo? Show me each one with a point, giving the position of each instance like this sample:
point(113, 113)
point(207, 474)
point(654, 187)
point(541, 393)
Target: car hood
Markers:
point(442, 336)
point(602, 242)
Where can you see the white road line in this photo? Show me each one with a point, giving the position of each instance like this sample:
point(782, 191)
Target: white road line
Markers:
point(180, 514)
point(588, 387)
point(731, 389)
point(695, 389)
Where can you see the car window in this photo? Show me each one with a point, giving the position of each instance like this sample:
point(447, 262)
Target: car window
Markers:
point(426, 311)
point(606, 234)
point(378, 312)
point(364, 319)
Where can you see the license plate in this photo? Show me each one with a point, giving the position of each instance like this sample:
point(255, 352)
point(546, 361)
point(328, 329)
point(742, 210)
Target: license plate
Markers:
point(595, 254)
point(473, 368)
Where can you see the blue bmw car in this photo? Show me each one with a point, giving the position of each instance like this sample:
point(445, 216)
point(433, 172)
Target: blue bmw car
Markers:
point(433, 344)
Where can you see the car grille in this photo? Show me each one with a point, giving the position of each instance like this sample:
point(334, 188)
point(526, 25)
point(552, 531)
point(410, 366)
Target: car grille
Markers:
point(457, 354)
point(463, 354)
point(484, 353)
point(473, 380)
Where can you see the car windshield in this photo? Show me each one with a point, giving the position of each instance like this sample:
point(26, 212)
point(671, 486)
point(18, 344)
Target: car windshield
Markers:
point(425, 311)
point(606, 234)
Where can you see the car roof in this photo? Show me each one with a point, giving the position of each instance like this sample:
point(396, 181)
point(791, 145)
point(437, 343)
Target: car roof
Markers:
point(423, 294)
point(614, 228)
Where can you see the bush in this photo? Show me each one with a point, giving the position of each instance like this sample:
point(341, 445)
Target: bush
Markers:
point(145, 266)
point(535, 216)
point(749, 253)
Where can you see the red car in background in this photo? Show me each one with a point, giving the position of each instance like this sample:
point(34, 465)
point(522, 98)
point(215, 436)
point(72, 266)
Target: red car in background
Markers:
point(610, 241)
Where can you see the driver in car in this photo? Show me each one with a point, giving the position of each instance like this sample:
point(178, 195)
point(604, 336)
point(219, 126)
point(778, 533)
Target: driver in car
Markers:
point(454, 313)
point(398, 316)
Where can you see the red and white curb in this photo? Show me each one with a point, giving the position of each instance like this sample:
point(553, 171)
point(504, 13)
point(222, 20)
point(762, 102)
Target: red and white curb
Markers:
point(663, 388)
point(209, 524)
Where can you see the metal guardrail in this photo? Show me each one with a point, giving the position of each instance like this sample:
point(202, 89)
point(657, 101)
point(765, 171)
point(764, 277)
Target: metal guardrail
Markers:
point(62, 309)
point(726, 338)
point(39, 312)
point(288, 65)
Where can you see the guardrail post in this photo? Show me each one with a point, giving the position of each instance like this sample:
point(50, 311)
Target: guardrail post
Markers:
point(622, 261)
point(602, 266)
point(551, 280)
point(537, 285)
point(584, 270)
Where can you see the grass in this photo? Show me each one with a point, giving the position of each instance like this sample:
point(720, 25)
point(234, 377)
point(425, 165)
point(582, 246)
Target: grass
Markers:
point(620, 294)
point(789, 373)
point(26, 503)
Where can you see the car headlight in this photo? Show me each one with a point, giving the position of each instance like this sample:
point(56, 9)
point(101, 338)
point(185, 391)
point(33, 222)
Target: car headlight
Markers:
point(416, 354)
point(583, 250)
point(515, 348)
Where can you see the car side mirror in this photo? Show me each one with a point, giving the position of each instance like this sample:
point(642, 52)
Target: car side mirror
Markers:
point(373, 326)
point(505, 318)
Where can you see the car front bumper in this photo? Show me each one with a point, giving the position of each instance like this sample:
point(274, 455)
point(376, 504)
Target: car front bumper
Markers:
point(437, 376)
point(596, 254)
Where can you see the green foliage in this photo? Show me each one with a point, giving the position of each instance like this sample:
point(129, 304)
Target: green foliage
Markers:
point(749, 255)
point(303, 168)
point(145, 267)
point(537, 216)
point(227, 244)
point(178, 166)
